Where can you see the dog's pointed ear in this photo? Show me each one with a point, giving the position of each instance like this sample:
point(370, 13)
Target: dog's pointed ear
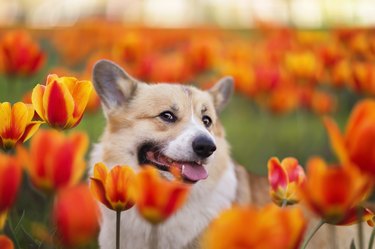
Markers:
point(222, 92)
point(113, 85)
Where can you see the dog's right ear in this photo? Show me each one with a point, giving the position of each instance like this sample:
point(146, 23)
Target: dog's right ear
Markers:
point(113, 85)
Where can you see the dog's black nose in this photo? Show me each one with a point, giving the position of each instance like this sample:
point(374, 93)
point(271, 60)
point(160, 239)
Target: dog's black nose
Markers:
point(203, 146)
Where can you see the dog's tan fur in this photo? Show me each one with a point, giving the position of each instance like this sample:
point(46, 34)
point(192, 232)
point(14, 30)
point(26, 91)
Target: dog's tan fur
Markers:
point(131, 109)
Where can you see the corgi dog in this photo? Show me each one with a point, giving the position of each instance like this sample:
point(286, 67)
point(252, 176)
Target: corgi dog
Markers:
point(164, 124)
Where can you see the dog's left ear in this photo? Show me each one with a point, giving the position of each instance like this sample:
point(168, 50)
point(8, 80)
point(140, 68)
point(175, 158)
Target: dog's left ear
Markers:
point(221, 92)
point(114, 86)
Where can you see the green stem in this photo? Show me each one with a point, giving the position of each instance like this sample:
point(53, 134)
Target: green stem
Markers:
point(360, 213)
point(12, 232)
point(118, 219)
point(371, 242)
point(311, 235)
point(154, 237)
point(284, 203)
point(360, 235)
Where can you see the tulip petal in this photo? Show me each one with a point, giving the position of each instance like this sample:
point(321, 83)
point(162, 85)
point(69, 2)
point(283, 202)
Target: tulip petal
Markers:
point(98, 190)
point(64, 165)
point(59, 104)
point(76, 227)
point(176, 199)
point(3, 218)
point(81, 94)
point(19, 119)
point(118, 183)
point(42, 149)
point(30, 130)
point(277, 176)
point(362, 147)
point(363, 110)
point(5, 117)
point(11, 173)
point(80, 142)
point(336, 139)
point(100, 172)
point(294, 170)
point(37, 100)
point(158, 198)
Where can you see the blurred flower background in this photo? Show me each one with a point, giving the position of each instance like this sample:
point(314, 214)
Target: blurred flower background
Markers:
point(293, 61)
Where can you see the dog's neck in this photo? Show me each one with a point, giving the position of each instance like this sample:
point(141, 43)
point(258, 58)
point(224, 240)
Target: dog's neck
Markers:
point(207, 199)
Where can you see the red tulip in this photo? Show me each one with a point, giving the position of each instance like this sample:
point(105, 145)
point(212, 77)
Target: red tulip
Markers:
point(357, 145)
point(21, 55)
point(55, 161)
point(5, 242)
point(157, 198)
point(334, 193)
point(76, 216)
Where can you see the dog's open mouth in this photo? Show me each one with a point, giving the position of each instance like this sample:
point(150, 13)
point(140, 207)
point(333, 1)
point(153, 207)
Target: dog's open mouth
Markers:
point(190, 171)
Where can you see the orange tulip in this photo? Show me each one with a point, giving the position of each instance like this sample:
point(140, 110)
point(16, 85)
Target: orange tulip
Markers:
point(10, 180)
point(322, 103)
point(114, 188)
point(158, 198)
point(202, 52)
point(285, 178)
point(54, 160)
point(76, 216)
point(283, 100)
point(62, 101)
point(21, 55)
point(334, 193)
point(247, 227)
point(16, 125)
point(5, 242)
point(357, 145)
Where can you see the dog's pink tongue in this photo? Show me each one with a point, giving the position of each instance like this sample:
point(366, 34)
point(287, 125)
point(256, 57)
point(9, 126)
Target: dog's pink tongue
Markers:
point(194, 172)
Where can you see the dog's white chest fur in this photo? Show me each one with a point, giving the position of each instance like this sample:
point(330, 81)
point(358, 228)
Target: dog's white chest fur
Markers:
point(205, 202)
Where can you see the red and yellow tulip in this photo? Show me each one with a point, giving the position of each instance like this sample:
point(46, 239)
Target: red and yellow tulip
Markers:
point(5, 242)
point(16, 125)
point(76, 216)
point(284, 179)
point(55, 160)
point(357, 145)
point(157, 198)
point(334, 193)
point(114, 188)
point(248, 227)
point(62, 101)
point(20, 54)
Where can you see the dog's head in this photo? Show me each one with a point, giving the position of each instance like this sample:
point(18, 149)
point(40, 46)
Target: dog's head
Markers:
point(165, 125)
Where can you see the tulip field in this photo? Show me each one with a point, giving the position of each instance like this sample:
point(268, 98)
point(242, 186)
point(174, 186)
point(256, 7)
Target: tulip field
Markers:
point(303, 102)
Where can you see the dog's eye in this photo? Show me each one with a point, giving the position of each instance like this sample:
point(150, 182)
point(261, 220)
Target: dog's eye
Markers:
point(168, 116)
point(206, 121)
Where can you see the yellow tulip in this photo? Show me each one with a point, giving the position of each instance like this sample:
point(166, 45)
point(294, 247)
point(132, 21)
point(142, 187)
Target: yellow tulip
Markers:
point(16, 125)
